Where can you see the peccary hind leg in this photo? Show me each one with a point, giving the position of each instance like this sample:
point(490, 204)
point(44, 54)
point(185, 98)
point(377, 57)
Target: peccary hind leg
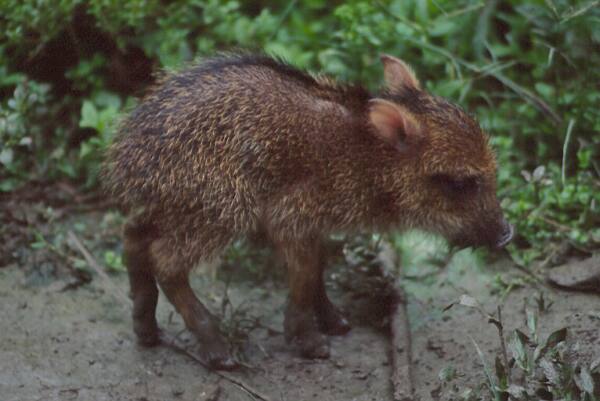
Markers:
point(309, 311)
point(144, 293)
point(330, 319)
point(172, 275)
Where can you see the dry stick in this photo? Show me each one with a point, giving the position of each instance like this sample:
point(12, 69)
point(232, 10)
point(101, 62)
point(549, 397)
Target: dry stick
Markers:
point(167, 339)
point(402, 379)
point(94, 265)
point(500, 328)
point(401, 352)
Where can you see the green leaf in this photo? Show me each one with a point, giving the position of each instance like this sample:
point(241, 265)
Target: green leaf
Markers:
point(38, 245)
point(547, 91)
point(488, 372)
point(89, 115)
point(9, 184)
point(516, 345)
point(538, 173)
point(106, 99)
point(595, 366)
point(447, 374)
point(552, 341)
point(442, 27)
point(532, 323)
point(551, 372)
point(6, 156)
point(85, 149)
point(586, 381)
point(113, 261)
point(80, 264)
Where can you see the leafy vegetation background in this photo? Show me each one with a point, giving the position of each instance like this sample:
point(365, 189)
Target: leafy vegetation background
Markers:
point(529, 70)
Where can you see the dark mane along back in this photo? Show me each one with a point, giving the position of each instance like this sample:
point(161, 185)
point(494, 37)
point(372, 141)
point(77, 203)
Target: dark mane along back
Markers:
point(277, 64)
point(327, 88)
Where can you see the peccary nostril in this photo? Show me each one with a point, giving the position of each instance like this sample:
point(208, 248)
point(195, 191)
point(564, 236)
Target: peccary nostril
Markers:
point(506, 236)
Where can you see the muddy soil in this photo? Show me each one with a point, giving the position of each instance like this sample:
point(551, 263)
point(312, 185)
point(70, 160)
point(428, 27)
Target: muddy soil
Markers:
point(60, 341)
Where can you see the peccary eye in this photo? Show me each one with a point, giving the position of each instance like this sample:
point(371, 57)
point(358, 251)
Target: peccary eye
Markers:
point(456, 185)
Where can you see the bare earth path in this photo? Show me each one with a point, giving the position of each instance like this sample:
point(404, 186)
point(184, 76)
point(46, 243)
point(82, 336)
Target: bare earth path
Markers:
point(60, 341)
point(78, 345)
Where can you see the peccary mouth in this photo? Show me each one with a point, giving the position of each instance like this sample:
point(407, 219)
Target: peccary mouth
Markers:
point(506, 237)
point(486, 237)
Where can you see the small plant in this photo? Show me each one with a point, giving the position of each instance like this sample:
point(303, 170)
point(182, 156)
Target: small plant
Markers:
point(236, 323)
point(99, 113)
point(527, 367)
point(113, 261)
point(552, 210)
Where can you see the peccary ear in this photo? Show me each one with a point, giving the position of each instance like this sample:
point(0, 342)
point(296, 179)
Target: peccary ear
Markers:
point(394, 124)
point(398, 74)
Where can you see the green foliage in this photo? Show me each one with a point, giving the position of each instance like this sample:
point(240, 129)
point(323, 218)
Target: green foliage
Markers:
point(99, 113)
point(113, 261)
point(528, 70)
point(32, 23)
point(527, 368)
point(551, 210)
point(21, 126)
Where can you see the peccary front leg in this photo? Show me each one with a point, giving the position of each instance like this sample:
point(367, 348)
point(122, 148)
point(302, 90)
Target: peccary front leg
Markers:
point(301, 325)
point(309, 311)
point(331, 321)
point(173, 278)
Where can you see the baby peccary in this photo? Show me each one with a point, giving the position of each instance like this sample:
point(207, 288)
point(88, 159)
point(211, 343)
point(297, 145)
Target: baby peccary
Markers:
point(241, 144)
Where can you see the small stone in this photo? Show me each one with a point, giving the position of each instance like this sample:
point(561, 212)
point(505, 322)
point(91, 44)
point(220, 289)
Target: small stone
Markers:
point(582, 275)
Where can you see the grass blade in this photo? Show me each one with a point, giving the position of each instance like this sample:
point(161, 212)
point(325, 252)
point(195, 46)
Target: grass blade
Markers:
point(488, 372)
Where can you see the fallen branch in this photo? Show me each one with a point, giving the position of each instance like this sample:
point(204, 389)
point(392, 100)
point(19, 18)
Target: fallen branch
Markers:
point(116, 291)
point(173, 343)
point(167, 339)
point(402, 379)
point(401, 352)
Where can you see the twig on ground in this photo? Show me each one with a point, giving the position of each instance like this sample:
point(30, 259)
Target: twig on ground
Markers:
point(116, 291)
point(173, 343)
point(500, 328)
point(170, 341)
point(401, 352)
point(402, 379)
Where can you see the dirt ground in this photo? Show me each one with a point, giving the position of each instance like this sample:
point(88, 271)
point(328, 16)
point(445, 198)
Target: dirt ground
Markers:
point(60, 341)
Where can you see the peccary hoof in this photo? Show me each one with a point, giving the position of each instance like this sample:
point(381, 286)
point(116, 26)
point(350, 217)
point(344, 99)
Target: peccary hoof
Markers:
point(332, 322)
point(336, 328)
point(314, 347)
point(311, 344)
point(301, 329)
point(220, 362)
point(216, 354)
point(151, 340)
point(147, 335)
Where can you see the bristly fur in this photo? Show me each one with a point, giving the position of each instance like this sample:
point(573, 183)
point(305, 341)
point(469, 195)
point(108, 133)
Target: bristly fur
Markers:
point(226, 60)
point(241, 142)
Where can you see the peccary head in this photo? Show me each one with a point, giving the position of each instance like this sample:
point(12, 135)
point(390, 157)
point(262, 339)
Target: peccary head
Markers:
point(446, 168)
